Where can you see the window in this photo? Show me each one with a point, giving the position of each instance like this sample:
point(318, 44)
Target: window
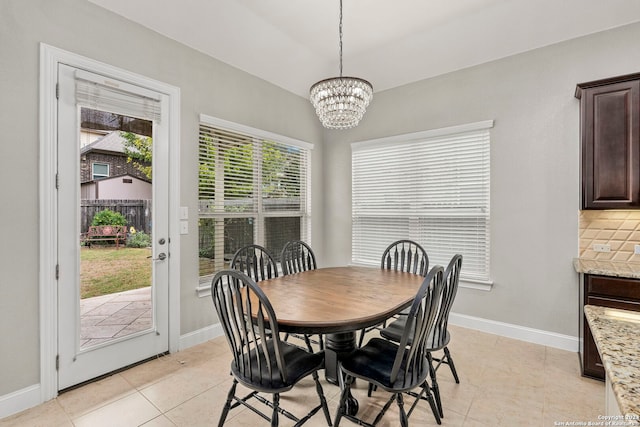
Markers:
point(253, 189)
point(99, 170)
point(431, 187)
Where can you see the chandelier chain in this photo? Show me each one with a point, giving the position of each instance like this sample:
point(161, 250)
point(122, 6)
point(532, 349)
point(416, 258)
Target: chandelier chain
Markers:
point(340, 31)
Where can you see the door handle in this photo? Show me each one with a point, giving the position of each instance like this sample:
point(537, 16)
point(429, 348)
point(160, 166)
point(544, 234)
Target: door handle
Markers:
point(161, 257)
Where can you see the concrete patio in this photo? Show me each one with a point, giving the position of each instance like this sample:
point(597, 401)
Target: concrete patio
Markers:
point(116, 315)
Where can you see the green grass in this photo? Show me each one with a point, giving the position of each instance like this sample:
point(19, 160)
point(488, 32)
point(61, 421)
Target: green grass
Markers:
point(109, 270)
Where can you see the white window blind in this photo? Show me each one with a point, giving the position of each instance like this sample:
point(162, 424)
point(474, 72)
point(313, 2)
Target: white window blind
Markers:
point(252, 190)
point(100, 93)
point(431, 187)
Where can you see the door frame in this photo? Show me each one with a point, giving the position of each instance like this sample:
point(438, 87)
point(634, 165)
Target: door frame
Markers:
point(50, 57)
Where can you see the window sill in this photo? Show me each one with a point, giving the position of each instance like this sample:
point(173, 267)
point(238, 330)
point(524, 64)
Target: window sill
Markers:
point(204, 287)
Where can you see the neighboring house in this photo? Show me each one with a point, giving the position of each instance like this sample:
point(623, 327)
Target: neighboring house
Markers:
point(106, 174)
point(122, 187)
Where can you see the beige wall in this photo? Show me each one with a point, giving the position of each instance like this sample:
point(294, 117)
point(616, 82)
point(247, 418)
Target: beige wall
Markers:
point(207, 86)
point(534, 168)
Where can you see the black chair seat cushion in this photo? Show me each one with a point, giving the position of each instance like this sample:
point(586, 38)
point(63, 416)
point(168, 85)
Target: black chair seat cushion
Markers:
point(299, 363)
point(374, 362)
point(394, 331)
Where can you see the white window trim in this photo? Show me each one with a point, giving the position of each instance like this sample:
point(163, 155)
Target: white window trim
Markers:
point(204, 289)
point(421, 135)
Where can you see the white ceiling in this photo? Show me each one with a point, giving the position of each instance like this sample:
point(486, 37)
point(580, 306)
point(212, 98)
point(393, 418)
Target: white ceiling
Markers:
point(294, 43)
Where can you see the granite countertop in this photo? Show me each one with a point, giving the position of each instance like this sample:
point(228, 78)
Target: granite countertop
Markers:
point(607, 268)
point(617, 336)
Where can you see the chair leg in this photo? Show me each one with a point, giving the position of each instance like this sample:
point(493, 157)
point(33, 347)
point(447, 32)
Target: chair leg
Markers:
point(432, 403)
point(371, 389)
point(434, 385)
point(276, 405)
point(227, 405)
point(345, 385)
point(323, 400)
point(307, 341)
point(447, 355)
point(404, 420)
point(364, 331)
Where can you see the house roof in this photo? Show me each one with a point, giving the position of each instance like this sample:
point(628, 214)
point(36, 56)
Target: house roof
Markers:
point(111, 142)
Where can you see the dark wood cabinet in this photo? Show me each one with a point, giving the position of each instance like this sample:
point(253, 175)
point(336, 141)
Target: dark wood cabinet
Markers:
point(610, 134)
point(605, 291)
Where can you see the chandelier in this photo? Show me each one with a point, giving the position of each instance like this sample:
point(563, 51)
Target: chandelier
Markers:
point(340, 102)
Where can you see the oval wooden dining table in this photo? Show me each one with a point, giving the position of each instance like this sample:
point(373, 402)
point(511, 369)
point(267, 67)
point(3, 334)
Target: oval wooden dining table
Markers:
point(337, 302)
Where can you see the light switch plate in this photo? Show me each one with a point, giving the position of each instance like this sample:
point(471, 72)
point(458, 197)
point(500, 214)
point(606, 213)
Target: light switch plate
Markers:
point(184, 227)
point(184, 212)
point(601, 248)
point(636, 249)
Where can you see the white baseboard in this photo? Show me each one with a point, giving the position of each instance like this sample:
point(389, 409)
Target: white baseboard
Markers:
point(20, 400)
point(523, 333)
point(200, 336)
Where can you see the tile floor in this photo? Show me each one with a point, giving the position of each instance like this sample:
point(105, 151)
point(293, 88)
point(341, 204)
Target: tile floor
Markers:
point(504, 382)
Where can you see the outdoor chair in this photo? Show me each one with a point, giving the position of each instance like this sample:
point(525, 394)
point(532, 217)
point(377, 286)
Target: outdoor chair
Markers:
point(402, 255)
point(265, 365)
point(439, 336)
point(296, 257)
point(397, 368)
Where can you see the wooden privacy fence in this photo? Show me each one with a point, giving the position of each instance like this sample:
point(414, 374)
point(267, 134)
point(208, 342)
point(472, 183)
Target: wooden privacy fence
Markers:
point(137, 212)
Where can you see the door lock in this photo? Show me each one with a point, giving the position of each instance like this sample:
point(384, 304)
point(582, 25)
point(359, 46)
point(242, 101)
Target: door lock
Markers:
point(161, 257)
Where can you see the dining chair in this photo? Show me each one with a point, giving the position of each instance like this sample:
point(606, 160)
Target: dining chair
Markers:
point(401, 255)
point(256, 262)
point(261, 365)
point(398, 368)
point(296, 257)
point(439, 336)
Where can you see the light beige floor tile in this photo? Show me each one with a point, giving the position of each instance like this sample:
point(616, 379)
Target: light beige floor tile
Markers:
point(204, 409)
point(92, 396)
point(183, 385)
point(132, 410)
point(160, 421)
point(49, 414)
point(151, 372)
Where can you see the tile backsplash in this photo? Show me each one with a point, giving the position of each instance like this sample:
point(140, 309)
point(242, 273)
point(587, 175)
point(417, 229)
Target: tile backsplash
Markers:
point(619, 229)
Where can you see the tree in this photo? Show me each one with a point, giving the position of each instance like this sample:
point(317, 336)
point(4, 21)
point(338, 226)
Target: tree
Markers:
point(139, 151)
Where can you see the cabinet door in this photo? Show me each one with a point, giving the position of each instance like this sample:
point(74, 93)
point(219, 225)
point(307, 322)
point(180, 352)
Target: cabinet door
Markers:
point(611, 146)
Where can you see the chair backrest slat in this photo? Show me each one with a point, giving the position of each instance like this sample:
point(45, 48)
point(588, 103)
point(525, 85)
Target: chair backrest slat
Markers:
point(406, 255)
point(297, 257)
point(256, 262)
point(246, 314)
point(412, 350)
point(449, 291)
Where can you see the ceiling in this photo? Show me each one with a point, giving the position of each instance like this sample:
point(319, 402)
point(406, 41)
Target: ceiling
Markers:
point(294, 43)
